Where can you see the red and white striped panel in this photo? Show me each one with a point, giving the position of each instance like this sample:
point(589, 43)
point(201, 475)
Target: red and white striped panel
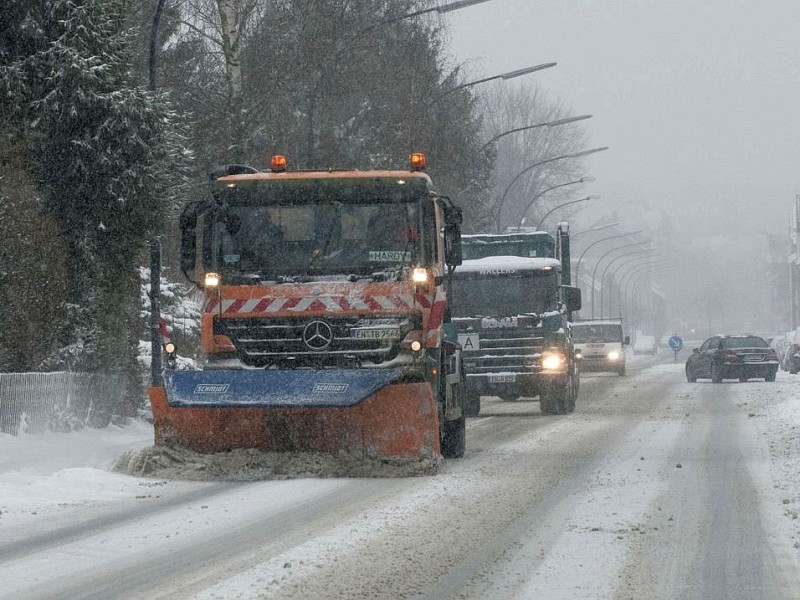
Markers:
point(332, 304)
point(434, 333)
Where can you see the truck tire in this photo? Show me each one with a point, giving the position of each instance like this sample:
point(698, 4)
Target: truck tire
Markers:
point(472, 402)
point(716, 377)
point(574, 388)
point(554, 399)
point(454, 438)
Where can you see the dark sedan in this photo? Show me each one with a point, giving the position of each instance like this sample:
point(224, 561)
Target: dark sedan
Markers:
point(739, 357)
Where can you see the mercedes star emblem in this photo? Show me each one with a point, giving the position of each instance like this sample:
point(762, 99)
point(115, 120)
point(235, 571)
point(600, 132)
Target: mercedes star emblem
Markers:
point(317, 335)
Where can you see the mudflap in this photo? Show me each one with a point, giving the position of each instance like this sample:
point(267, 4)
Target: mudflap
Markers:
point(369, 413)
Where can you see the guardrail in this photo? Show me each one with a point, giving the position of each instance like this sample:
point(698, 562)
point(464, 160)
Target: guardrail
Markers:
point(60, 401)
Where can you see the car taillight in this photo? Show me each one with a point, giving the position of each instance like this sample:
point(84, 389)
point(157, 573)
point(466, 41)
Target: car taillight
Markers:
point(730, 356)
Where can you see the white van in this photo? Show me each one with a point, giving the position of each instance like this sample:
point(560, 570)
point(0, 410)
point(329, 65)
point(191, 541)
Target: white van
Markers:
point(601, 345)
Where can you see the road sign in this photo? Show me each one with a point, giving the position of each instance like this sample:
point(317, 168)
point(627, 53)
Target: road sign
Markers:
point(676, 343)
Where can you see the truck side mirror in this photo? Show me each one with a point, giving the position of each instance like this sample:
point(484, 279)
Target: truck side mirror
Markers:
point(453, 255)
point(572, 298)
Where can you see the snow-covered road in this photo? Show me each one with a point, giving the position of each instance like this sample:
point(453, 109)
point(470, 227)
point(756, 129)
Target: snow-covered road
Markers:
point(653, 488)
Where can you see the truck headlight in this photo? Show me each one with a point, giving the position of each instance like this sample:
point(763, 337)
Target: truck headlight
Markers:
point(613, 355)
point(420, 275)
point(552, 361)
point(211, 280)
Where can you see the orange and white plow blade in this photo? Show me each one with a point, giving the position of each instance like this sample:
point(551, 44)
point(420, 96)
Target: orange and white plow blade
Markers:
point(399, 421)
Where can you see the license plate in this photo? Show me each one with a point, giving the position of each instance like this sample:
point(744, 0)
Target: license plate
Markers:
point(502, 378)
point(753, 359)
point(384, 333)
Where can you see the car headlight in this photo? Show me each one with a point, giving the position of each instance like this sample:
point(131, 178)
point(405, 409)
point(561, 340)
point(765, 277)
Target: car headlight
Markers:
point(613, 355)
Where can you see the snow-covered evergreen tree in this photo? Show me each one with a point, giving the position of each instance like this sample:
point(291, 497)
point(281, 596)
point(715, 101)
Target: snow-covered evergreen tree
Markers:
point(109, 161)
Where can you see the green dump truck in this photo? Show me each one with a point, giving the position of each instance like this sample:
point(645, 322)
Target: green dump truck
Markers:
point(512, 303)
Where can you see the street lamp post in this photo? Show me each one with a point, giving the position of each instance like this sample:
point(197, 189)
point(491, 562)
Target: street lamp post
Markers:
point(552, 210)
point(599, 260)
point(555, 123)
point(649, 258)
point(499, 209)
point(661, 266)
point(593, 229)
point(509, 75)
point(611, 237)
point(637, 274)
point(608, 266)
point(458, 4)
point(550, 189)
point(636, 296)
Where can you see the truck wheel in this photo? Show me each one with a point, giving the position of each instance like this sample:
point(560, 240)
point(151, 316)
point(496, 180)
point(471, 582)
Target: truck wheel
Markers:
point(553, 400)
point(690, 376)
point(454, 438)
point(544, 405)
point(572, 395)
point(622, 372)
point(716, 377)
point(769, 377)
point(472, 402)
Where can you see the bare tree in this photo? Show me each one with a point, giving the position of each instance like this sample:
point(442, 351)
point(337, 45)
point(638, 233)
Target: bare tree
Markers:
point(517, 183)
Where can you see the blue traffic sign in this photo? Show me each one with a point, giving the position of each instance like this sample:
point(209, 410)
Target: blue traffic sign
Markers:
point(676, 343)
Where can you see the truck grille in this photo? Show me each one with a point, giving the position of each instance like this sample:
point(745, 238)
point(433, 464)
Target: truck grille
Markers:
point(312, 342)
point(512, 350)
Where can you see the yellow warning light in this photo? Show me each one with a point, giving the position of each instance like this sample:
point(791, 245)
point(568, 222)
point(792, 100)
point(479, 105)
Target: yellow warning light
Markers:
point(417, 161)
point(278, 164)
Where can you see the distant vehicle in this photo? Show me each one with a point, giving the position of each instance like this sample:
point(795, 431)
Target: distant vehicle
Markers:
point(601, 344)
point(780, 343)
point(645, 344)
point(790, 356)
point(739, 357)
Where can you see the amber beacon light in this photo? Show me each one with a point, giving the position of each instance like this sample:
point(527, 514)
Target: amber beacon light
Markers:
point(278, 164)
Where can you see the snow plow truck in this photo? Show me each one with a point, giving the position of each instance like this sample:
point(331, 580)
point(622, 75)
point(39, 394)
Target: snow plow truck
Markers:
point(325, 325)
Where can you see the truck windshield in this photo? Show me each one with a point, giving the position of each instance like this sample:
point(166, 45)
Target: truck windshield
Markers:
point(504, 295)
point(327, 238)
point(601, 332)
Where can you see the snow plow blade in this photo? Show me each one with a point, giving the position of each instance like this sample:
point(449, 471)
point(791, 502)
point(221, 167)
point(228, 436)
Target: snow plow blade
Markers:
point(364, 413)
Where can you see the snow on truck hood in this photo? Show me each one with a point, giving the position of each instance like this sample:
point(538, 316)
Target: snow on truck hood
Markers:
point(507, 263)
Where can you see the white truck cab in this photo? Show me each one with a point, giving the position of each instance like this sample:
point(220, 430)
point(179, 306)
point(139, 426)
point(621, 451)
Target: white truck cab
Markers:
point(601, 344)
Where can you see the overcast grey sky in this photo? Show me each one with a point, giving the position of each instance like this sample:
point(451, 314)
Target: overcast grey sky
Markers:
point(699, 101)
